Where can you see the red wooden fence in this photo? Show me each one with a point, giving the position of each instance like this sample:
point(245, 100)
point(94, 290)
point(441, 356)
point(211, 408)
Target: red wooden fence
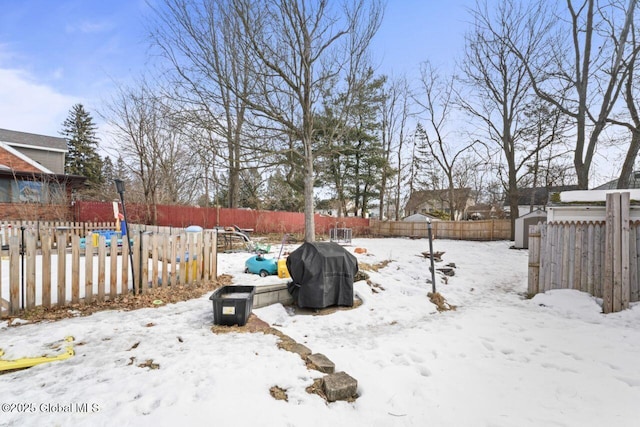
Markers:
point(183, 216)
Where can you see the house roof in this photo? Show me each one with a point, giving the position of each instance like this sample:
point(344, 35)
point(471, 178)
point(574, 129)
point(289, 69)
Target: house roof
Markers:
point(420, 217)
point(32, 140)
point(74, 181)
point(24, 158)
point(540, 194)
point(419, 197)
point(634, 183)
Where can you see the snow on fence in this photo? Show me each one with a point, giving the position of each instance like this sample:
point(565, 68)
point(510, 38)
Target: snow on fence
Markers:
point(494, 229)
point(601, 258)
point(40, 271)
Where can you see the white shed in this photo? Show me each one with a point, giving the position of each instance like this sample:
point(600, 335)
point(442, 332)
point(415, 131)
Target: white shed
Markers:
point(419, 217)
point(522, 227)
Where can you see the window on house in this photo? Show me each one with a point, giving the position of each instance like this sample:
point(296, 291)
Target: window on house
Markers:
point(16, 191)
point(5, 193)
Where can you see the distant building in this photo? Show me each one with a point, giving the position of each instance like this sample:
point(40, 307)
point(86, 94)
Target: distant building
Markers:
point(32, 172)
point(634, 183)
point(531, 199)
point(429, 201)
point(420, 217)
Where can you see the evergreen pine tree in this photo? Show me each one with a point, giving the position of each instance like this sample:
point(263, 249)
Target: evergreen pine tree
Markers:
point(82, 144)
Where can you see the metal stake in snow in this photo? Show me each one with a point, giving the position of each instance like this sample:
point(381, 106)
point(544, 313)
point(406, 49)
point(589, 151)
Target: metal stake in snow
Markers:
point(433, 269)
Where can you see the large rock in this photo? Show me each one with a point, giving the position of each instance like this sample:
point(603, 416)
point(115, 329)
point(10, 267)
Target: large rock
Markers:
point(339, 386)
point(321, 363)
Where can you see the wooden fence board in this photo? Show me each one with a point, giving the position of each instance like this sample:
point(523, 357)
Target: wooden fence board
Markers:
point(200, 260)
point(144, 251)
point(125, 265)
point(30, 255)
point(534, 259)
point(75, 269)
point(102, 267)
point(166, 253)
point(174, 260)
point(113, 271)
point(136, 263)
point(14, 274)
point(46, 240)
point(88, 268)
point(192, 261)
point(61, 251)
point(625, 286)
point(182, 249)
point(154, 260)
point(577, 258)
point(592, 258)
point(634, 274)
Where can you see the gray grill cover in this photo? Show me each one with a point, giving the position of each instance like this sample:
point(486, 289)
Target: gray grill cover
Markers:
point(322, 275)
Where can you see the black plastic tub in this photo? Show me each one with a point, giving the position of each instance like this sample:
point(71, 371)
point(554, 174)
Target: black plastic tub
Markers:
point(232, 305)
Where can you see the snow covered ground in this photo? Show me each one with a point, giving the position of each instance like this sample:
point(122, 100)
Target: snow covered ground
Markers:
point(498, 360)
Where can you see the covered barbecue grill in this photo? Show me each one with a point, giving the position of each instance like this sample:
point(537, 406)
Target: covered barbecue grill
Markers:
point(322, 275)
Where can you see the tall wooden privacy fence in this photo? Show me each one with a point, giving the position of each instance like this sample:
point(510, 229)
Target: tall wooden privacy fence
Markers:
point(598, 257)
point(498, 229)
point(38, 267)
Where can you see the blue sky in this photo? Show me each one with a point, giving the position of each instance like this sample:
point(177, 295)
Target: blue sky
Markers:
point(55, 53)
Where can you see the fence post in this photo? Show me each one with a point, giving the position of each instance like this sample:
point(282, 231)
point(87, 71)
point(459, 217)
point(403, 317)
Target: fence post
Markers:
point(616, 287)
point(14, 274)
point(534, 259)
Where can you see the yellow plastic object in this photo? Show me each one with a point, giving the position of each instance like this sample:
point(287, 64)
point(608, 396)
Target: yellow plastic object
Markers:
point(283, 272)
point(27, 362)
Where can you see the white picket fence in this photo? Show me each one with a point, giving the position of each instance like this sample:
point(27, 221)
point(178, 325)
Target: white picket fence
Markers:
point(57, 267)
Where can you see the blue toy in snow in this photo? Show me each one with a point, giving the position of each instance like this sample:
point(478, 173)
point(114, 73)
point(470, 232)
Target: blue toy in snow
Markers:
point(258, 264)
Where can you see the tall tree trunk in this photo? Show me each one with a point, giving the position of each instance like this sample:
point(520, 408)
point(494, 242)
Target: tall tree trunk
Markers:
point(309, 220)
point(629, 160)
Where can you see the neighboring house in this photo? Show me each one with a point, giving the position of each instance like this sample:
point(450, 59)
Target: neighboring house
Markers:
point(428, 201)
point(32, 171)
point(531, 199)
point(484, 211)
point(634, 183)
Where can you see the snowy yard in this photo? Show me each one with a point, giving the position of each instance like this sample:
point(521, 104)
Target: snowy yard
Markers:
point(498, 360)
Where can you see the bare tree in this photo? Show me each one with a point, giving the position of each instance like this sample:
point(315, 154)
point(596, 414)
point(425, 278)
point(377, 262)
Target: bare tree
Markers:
point(581, 73)
point(545, 128)
point(295, 50)
point(436, 100)
point(500, 84)
point(209, 77)
point(394, 115)
point(147, 141)
point(630, 119)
